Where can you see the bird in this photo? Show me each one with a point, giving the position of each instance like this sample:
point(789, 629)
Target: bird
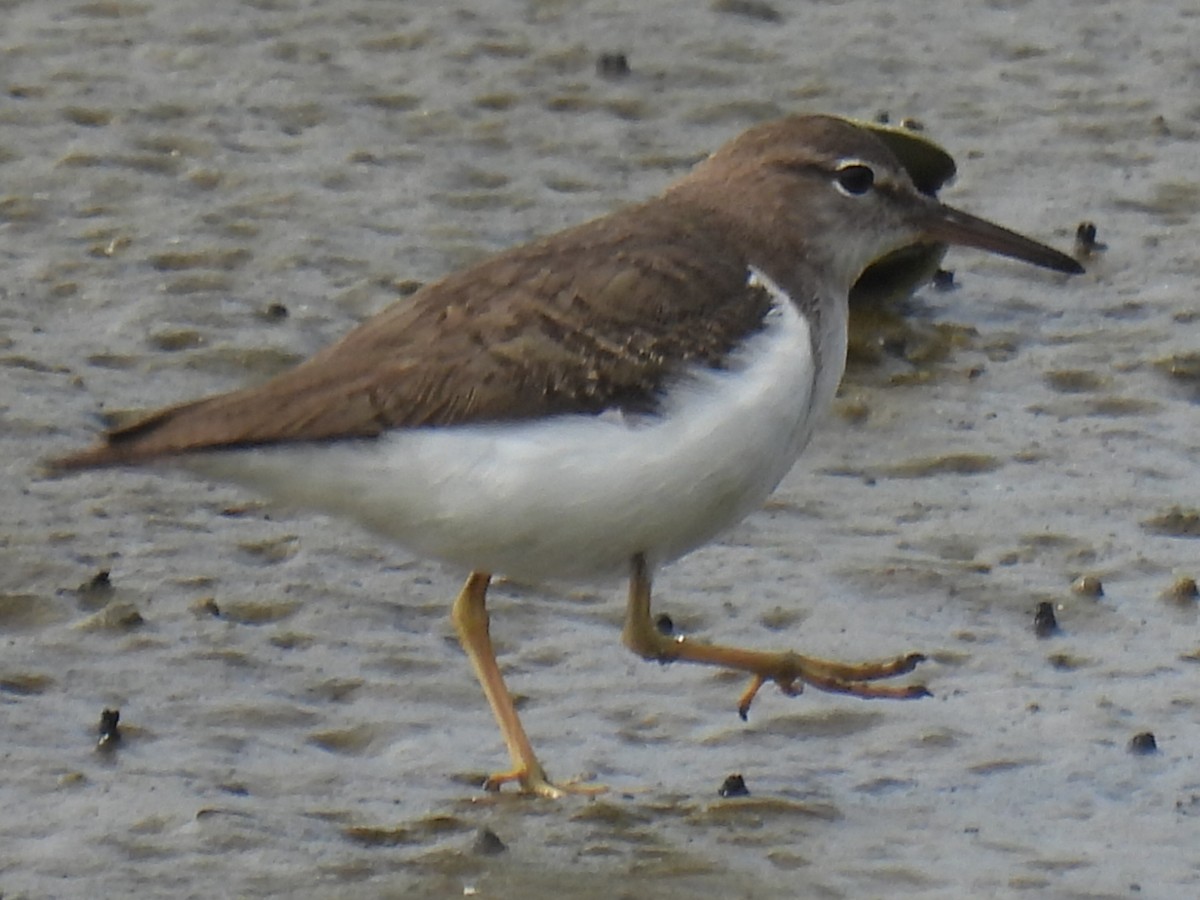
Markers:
point(599, 401)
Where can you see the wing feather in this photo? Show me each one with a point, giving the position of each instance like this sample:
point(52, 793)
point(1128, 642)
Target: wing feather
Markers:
point(597, 317)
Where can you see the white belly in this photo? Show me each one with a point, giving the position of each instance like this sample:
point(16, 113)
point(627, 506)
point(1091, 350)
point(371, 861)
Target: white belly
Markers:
point(574, 496)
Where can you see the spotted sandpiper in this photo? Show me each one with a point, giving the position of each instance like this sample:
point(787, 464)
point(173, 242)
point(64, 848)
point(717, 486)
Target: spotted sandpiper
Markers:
point(605, 399)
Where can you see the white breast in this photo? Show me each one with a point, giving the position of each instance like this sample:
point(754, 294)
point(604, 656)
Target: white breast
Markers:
point(572, 496)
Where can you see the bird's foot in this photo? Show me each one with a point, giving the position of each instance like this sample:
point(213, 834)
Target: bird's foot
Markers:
point(533, 780)
point(791, 672)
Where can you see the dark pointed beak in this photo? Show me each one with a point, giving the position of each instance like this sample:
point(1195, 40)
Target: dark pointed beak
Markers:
point(947, 225)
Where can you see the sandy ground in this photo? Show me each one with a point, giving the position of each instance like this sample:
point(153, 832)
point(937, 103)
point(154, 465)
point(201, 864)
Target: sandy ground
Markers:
point(171, 172)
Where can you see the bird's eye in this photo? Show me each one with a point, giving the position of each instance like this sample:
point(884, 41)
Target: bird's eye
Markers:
point(854, 179)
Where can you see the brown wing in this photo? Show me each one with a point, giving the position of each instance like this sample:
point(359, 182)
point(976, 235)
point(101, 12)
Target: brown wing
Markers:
point(592, 318)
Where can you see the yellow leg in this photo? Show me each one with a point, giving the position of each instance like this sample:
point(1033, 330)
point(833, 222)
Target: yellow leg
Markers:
point(790, 671)
point(471, 622)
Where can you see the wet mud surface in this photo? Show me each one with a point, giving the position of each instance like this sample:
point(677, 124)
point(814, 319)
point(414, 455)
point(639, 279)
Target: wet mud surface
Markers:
point(193, 196)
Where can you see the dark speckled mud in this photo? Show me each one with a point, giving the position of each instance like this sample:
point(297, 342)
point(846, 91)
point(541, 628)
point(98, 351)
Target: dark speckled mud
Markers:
point(296, 718)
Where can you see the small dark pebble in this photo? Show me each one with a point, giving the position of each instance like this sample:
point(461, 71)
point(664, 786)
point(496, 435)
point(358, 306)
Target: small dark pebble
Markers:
point(1143, 743)
point(488, 843)
point(612, 65)
point(1085, 238)
point(274, 312)
point(1044, 623)
point(734, 786)
point(943, 280)
point(110, 734)
point(665, 624)
point(912, 124)
point(883, 117)
point(98, 584)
